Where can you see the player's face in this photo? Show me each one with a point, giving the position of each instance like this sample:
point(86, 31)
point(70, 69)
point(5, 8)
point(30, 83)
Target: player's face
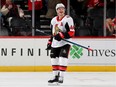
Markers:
point(61, 11)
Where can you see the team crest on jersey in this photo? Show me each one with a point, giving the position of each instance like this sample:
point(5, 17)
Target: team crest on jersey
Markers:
point(56, 29)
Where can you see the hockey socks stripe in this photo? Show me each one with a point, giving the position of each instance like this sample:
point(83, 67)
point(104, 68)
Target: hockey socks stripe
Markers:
point(62, 68)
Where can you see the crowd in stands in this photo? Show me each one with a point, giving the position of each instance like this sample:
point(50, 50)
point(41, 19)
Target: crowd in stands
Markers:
point(88, 16)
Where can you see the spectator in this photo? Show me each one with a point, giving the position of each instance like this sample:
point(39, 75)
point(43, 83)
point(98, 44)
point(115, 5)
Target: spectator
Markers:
point(114, 21)
point(95, 16)
point(9, 11)
point(38, 7)
point(111, 20)
point(111, 26)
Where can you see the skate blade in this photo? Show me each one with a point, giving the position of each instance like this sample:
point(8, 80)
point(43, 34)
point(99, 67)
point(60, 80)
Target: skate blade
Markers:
point(53, 84)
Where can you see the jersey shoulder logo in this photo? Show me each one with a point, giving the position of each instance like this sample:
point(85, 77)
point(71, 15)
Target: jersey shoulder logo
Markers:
point(67, 16)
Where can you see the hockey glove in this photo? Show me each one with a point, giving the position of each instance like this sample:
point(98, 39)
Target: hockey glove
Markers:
point(59, 36)
point(49, 45)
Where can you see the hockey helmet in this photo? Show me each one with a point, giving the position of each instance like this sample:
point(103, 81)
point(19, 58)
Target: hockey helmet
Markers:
point(59, 5)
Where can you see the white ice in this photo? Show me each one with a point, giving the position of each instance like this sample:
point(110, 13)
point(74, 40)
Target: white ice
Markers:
point(72, 79)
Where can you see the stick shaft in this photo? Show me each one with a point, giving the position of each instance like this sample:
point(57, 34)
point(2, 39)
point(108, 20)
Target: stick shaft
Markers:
point(75, 44)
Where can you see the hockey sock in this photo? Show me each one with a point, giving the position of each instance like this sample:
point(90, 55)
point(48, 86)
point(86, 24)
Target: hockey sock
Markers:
point(55, 66)
point(63, 62)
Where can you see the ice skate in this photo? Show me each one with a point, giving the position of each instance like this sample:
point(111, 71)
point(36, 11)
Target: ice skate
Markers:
point(54, 80)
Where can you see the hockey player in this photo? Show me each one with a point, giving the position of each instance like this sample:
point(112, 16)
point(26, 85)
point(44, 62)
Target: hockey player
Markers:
point(62, 27)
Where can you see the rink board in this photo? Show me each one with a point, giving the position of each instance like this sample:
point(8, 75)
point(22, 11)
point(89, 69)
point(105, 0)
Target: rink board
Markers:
point(29, 54)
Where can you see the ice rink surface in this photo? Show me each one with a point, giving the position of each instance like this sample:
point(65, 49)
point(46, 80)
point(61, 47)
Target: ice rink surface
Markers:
point(72, 79)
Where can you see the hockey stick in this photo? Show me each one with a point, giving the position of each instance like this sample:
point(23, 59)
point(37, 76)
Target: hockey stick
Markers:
point(69, 42)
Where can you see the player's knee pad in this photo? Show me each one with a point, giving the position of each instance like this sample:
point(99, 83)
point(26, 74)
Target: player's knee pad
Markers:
point(63, 61)
point(54, 61)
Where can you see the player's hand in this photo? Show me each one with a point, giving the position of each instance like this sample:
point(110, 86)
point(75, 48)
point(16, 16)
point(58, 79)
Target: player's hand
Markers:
point(48, 46)
point(59, 36)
